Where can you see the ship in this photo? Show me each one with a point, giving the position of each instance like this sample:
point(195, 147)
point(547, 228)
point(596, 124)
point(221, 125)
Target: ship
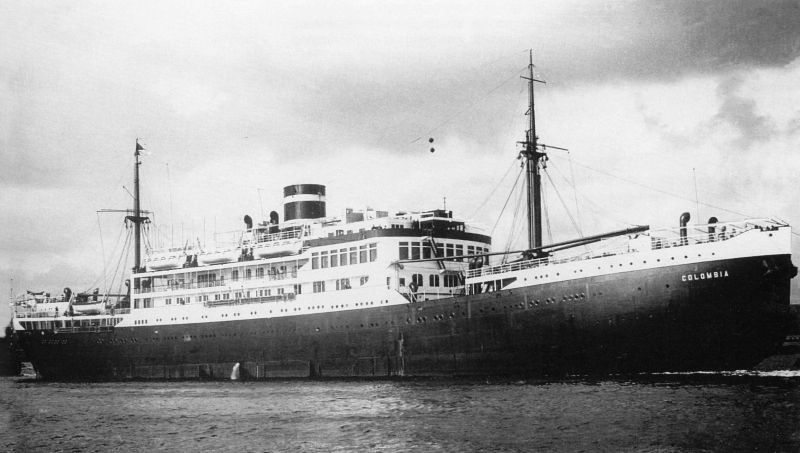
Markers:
point(376, 294)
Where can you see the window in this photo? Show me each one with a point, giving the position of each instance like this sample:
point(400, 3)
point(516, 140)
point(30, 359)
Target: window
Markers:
point(148, 303)
point(334, 259)
point(319, 287)
point(459, 251)
point(373, 252)
point(362, 253)
point(168, 301)
point(216, 296)
point(353, 256)
point(426, 250)
point(298, 289)
point(450, 281)
point(363, 280)
point(280, 291)
point(439, 250)
point(415, 250)
point(450, 249)
point(434, 280)
point(248, 274)
point(416, 279)
point(402, 281)
point(342, 283)
point(315, 260)
point(267, 292)
point(226, 296)
point(404, 250)
point(343, 257)
point(260, 272)
point(235, 275)
point(323, 262)
point(470, 250)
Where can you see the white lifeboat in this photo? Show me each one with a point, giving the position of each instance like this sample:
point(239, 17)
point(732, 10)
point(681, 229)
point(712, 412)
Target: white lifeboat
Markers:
point(163, 261)
point(277, 248)
point(218, 256)
point(88, 304)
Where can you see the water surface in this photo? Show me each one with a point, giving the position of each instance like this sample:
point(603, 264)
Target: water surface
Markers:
point(663, 413)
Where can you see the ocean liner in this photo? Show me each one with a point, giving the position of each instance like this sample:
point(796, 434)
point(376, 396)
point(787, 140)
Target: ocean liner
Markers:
point(373, 293)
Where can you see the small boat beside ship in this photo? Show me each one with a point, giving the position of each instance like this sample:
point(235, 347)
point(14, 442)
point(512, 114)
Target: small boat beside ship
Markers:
point(373, 293)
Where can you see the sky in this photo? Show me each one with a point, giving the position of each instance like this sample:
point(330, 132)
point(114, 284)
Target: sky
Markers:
point(664, 106)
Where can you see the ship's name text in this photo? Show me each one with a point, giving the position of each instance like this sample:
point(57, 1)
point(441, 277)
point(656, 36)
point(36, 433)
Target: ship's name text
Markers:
point(704, 276)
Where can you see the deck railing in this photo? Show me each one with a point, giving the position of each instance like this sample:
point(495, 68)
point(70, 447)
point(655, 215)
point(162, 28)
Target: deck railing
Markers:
point(659, 239)
point(251, 300)
point(83, 329)
point(216, 283)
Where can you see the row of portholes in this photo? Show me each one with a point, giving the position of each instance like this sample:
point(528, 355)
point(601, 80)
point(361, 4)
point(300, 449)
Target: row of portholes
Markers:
point(122, 340)
point(437, 317)
point(347, 326)
point(658, 260)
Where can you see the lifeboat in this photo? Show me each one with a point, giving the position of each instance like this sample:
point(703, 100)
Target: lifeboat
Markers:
point(88, 304)
point(277, 248)
point(161, 262)
point(218, 256)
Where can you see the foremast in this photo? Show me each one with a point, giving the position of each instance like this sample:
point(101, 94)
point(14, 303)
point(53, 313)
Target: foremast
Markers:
point(534, 158)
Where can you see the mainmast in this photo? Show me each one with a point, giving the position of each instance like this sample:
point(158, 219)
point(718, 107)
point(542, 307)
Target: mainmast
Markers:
point(137, 218)
point(533, 157)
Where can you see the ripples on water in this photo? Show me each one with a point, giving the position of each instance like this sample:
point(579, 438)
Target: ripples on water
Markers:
point(656, 413)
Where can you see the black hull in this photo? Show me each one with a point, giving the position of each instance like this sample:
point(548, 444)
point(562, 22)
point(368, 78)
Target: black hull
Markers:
point(677, 318)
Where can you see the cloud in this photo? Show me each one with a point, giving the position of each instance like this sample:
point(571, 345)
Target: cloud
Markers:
point(666, 40)
point(740, 113)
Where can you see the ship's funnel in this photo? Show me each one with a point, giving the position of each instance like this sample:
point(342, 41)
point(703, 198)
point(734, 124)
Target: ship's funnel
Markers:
point(303, 201)
point(249, 222)
point(273, 218)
